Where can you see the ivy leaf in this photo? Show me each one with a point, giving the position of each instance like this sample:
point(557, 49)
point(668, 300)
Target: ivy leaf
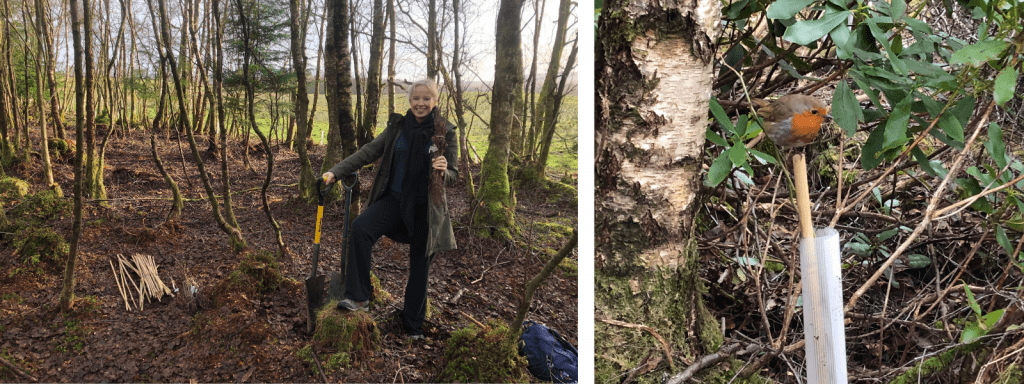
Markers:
point(805, 32)
point(978, 53)
point(1005, 82)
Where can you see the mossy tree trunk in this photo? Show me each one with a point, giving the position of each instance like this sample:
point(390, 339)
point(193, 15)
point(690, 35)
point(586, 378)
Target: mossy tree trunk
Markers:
point(67, 293)
point(341, 134)
point(307, 181)
point(496, 214)
point(653, 81)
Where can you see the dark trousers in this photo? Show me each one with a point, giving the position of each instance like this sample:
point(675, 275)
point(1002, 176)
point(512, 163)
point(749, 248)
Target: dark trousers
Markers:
point(384, 218)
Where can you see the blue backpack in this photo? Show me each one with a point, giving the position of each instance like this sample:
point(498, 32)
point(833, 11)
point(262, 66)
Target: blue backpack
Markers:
point(550, 356)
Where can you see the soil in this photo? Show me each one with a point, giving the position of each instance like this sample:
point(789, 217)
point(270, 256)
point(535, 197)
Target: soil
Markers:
point(245, 336)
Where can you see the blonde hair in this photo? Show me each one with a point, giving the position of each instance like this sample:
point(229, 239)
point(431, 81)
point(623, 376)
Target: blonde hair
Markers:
point(430, 84)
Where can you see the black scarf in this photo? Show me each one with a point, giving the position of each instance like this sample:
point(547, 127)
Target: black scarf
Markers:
point(416, 182)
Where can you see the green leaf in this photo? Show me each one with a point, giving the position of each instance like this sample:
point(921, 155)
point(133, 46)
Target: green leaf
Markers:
point(845, 109)
point(922, 160)
point(738, 154)
point(888, 234)
point(805, 32)
point(995, 145)
point(1005, 83)
point(896, 125)
point(992, 318)
point(721, 116)
point(971, 300)
point(918, 261)
point(873, 153)
point(1003, 240)
point(786, 9)
point(952, 128)
point(742, 126)
point(763, 156)
point(719, 170)
point(971, 332)
point(713, 137)
point(977, 54)
point(899, 7)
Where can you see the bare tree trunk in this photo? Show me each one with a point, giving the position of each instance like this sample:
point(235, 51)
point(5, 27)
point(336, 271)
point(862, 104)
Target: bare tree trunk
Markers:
point(67, 293)
point(496, 215)
point(653, 86)
point(432, 40)
point(341, 135)
point(460, 108)
point(551, 117)
point(176, 206)
point(307, 189)
point(234, 234)
point(531, 135)
point(391, 58)
point(250, 101)
point(550, 99)
point(49, 60)
point(316, 77)
point(362, 137)
point(373, 76)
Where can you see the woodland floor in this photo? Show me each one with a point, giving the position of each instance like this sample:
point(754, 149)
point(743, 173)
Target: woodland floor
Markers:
point(250, 338)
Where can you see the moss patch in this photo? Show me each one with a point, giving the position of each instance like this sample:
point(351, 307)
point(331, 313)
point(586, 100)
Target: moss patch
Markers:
point(263, 269)
point(12, 189)
point(40, 208)
point(37, 246)
point(380, 296)
point(664, 298)
point(354, 333)
point(61, 149)
point(488, 356)
point(1011, 375)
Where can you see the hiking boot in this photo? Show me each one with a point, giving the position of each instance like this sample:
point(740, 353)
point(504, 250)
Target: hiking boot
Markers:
point(415, 337)
point(352, 305)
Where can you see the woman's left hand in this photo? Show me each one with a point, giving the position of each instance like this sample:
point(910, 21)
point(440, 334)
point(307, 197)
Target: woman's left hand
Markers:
point(440, 163)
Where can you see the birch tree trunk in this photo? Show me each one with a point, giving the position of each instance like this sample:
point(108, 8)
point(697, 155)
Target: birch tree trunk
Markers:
point(653, 80)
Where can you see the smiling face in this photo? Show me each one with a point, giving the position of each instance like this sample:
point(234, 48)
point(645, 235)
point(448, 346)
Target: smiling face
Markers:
point(422, 101)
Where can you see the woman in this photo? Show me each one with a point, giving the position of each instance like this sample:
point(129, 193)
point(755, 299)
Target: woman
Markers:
point(398, 204)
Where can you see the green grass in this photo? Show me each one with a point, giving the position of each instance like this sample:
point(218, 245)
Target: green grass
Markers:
point(562, 160)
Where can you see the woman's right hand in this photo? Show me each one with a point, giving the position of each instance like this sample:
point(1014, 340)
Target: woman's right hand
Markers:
point(328, 178)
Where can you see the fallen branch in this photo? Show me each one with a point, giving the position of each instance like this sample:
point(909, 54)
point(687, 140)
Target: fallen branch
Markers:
point(710, 360)
point(479, 324)
point(17, 371)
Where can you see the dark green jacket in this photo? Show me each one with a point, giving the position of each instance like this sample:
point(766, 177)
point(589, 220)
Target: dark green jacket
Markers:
point(441, 236)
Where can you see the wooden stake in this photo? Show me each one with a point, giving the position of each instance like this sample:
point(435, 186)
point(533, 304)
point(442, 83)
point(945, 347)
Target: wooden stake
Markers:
point(803, 196)
point(119, 288)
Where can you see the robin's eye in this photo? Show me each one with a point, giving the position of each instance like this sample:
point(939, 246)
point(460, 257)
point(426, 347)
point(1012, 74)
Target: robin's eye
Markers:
point(814, 111)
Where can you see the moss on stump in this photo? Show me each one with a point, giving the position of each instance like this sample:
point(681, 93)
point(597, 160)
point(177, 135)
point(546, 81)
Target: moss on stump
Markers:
point(490, 355)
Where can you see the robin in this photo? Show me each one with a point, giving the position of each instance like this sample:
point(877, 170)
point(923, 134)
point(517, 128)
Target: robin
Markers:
point(793, 121)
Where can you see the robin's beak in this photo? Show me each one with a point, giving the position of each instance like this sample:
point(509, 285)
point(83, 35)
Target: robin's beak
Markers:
point(828, 115)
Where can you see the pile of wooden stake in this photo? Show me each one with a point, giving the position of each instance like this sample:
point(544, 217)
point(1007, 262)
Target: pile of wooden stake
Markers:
point(141, 268)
